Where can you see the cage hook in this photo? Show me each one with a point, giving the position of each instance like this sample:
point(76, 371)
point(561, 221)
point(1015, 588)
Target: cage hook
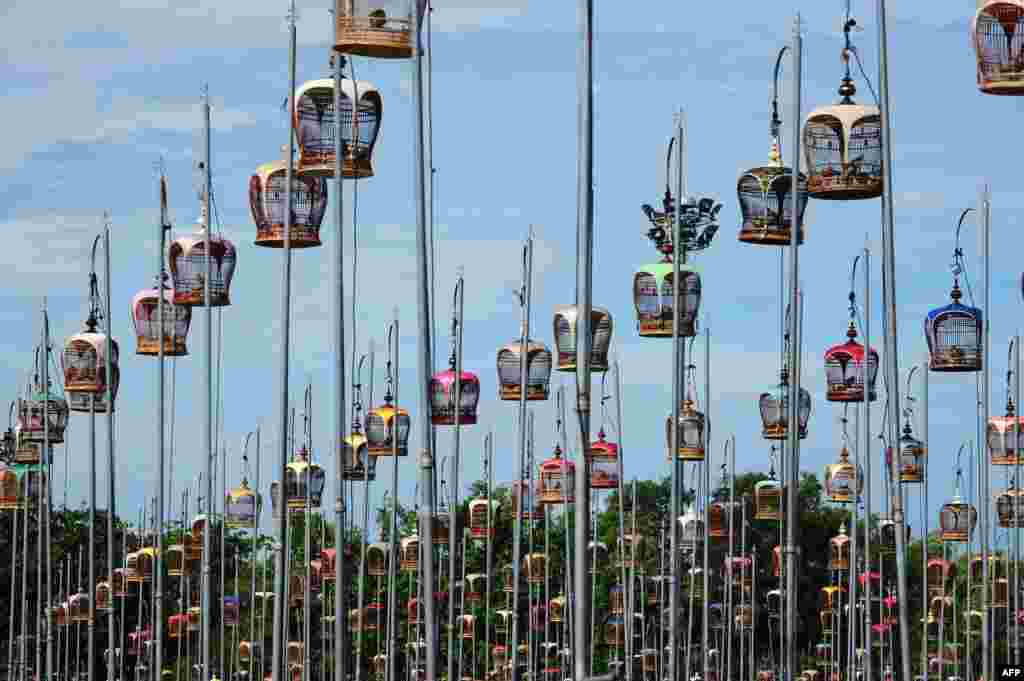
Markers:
point(388, 397)
point(357, 394)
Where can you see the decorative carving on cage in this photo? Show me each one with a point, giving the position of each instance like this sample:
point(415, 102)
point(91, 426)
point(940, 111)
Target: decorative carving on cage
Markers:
point(481, 523)
point(843, 144)
point(768, 496)
point(1010, 507)
point(957, 518)
point(44, 415)
point(995, 32)
point(653, 299)
point(241, 506)
point(187, 264)
point(145, 314)
point(953, 331)
point(615, 631)
point(531, 508)
point(556, 484)
point(844, 370)
point(267, 206)
point(317, 126)
point(538, 371)
point(377, 559)
point(409, 553)
point(774, 409)
point(839, 550)
point(85, 369)
point(691, 528)
point(843, 481)
point(565, 320)
point(604, 463)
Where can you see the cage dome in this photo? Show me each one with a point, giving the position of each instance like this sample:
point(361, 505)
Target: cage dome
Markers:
point(843, 149)
point(316, 126)
point(844, 370)
point(538, 371)
point(387, 429)
point(954, 336)
point(187, 258)
point(375, 28)
point(146, 318)
point(565, 337)
point(556, 484)
point(442, 397)
point(774, 408)
point(267, 205)
point(241, 506)
point(766, 203)
point(995, 32)
point(843, 482)
point(653, 298)
point(44, 415)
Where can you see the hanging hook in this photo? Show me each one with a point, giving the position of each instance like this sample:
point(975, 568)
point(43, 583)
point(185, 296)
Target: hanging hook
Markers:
point(1009, 379)
point(668, 172)
point(958, 253)
point(454, 338)
point(388, 397)
point(776, 122)
point(357, 395)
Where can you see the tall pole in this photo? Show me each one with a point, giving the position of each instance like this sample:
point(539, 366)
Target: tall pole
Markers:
point(707, 644)
point(111, 507)
point(91, 625)
point(864, 426)
point(281, 578)
point(985, 207)
point(207, 445)
point(584, 247)
point(453, 544)
point(793, 425)
point(924, 520)
point(1016, 507)
point(891, 347)
point(158, 577)
point(423, 296)
point(338, 422)
point(48, 467)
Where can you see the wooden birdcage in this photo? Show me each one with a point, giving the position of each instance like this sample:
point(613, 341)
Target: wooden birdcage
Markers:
point(938, 573)
point(137, 641)
point(241, 507)
point(831, 596)
point(475, 584)
point(502, 625)
point(565, 320)
point(42, 417)
point(843, 149)
point(467, 627)
point(328, 564)
point(954, 336)
point(381, 29)
point(481, 523)
point(653, 299)
point(439, 524)
point(381, 426)
point(377, 560)
point(355, 620)
point(248, 650)
point(10, 490)
point(691, 528)
point(844, 370)
point(531, 508)
point(140, 566)
point(1010, 508)
point(691, 433)
point(443, 406)
point(995, 32)
point(409, 553)
point(145, 312)
point(616, 599)
point(631, 549)
point(743, 616)
point(598, 556)
point(957, 520)
point(174, 560)
point(839, 551)
point(267, 206)
point(187, 261)
point(303, 484)
point(317, 126)
point(774, 409)
point(85, 370)
point(912, 457)
point(177, 626)
point(843, 481)
point(295, 652)
point(119, 583)
point(766, 202)
point(538, 371)
point(615, 631)
point(534, 566)
point(232, 611)
point(768, 496)
point(739, 571)
point(604, 463)
point(885, 536)
point(1004, 437)
point(104, 603)
point(556, 484)
point(828, 620)
point(556, 609)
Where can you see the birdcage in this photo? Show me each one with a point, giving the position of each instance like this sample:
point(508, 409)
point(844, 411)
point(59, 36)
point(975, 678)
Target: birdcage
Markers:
point(382, 29)
point(193, 549)
point(248, 650)
point(743, 616)
point(303, 483)
point(137, 641)
point(774, 408)
point(1005, 437)
point(177, 626)
point(831, 597)
point(500, 654)
point(534, 566)
point(27, 452)
point(912, 457)
point(598, 551)
point(766, 203)
point(823, 654)
point(631, 546)
point(604, 463)
point(957, 520)
point(843, 149)
point(297, 590)
point(538, 371)
point(739, 571)
point(691, 433)
point(531, 508)
point(765, 675)
point(355, 620)
point(828, 622)
point(996, 30)
point(475, 583)
point(839, 550)
point(317, 127)
point(104, 603)
point(119, 583)
point(174, 560)
point(140, 565)
point(232, 610)
point(481, 522)
point(409, 553)
point(502, 625)
point(41, 417)
point(768, 496)
point(78, 607)
point(443, 400)
point(724, 517)
point(377, 559)
point(844, 370)
point(439, 524)
point(843, 481)
point(557, 476)
point(1010, 508)
point(187, 261)
point(295, 652)
point(653, 297)
point(954, 336)
point(467, 627)
point(565, 320)
point(938, 573)
point(508, 579)
point(241, 506)
point(885, 536)
point(356, 463)
point(328, 564)
point(774, 600)
point(381, 436)
point(267, 206)
point(538, 617)
point(145, 312)
point(556, 609)
point(691, 528)
point(85, 370)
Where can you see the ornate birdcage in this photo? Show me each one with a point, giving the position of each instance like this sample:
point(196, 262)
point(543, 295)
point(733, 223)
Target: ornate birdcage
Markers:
point(616, 599)
point(557, 476)
point(409, 553)
point(119, 583)
point(957, 518)
point(653, 297)
point(146, 318)
point(388, 426)
point(481, 522)
point(499, 655)
point(104, 598)
point(414, 611)
point(295, 652)
point(187, 261)
point(241, 507)
point(194, 616)
point(831, 597)
point(328, 564)
point(177, 626)
point(843, 481)
point(885, 536)
point(938, 573)
point(232, 611)
point(381, 29)
point(828, 622)
point(27, 452)
point(768, 496)
point(615, 631)
point(912, 456)
point(739, 572)
point(531, 508)
point(716, 616)
point(774, 408)
point(538, 371)
point(78, 607)
point(502, 625)
point(467, 627)
point(839, 550)
point(691, 433)
point(995, 31)
point(442, 398)
point(1010, 507)
point(774, 601)
point(604, 463)
point(538, 617)
point(140, 565)
point(439, 524)
point(85, 369)
point(475, 584)
point(373, 617)
point(953, 331)
point(691, 528)
point(723, 515)
point(765, 674)
point(248, 650)
point(377, 559)
point(844, 370)
point(267, 206)
point(843, 143)
point(1005, 436)
point(43, 416)
point(174, 560)
point(534, 566)
point(565, 337)
point(598, 556)
point(303, 482)
point(556, 609)
point(630, 553)
point(137, 641)
point(356, 463)
point(743, 616)
point(317, 126)
point(693, 583)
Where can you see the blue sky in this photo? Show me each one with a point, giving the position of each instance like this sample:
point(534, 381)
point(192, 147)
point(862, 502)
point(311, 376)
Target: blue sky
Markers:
point(97, 93)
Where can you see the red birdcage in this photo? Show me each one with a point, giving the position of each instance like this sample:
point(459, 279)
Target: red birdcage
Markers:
point(146, 310)
point(187, 259)
point(556, 484)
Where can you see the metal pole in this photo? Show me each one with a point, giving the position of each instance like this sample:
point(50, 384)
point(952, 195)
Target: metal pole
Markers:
point(158, 577)
point(281, 578)
point(891, 347)
point(488, 445)
point(207, 446)
point(426, 461)
point(584, 248)
point(11, 658)
point(924, 520)
point(1016, 507)
point(706, 498)
point(111, 508)
point(985, 209)
point(865, 431)
point(339, 424)
point(48, 467)
point(456, 463)
point(91, 625)
point(629, 585)
point(793, 425)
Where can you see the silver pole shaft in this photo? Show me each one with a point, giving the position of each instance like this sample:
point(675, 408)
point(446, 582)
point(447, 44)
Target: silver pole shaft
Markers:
point(584, 247)
point(924, 519)
point(865, 433)
point(92, 543)
point(891, 346)
point(11, 656)
point(48, 467)
point(158, 577)
point(793, 425)
point(1016, 506)
point(627, 580)
point(453, 534)
point(281, 578)
point(526, 495)
point(423, 297)
point(112, 505)
point(678, 367)
point(985, 207)
point(339, 423)
point(707, 496)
